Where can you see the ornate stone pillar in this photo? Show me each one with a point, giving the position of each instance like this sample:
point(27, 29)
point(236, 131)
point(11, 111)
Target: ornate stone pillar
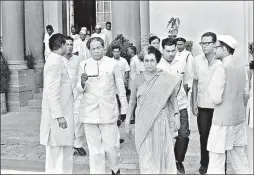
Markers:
point(34, 37)
point(13, 50)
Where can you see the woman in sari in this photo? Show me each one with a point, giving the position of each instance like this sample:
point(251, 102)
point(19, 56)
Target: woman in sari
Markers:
point(154, 91)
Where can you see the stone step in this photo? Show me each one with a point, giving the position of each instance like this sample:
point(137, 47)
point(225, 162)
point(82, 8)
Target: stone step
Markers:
point(37, 96)
point(30, 109)
point(36, 103)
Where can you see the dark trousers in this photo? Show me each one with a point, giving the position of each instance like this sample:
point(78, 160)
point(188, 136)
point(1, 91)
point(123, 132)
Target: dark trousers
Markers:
point(204, 121)
point(182, 140)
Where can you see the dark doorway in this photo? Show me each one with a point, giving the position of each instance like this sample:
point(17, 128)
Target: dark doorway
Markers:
point(85, 14)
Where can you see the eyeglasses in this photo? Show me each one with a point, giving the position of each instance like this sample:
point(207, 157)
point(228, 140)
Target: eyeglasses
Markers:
point(96, 75)
point(97, 48)
point(205, 43)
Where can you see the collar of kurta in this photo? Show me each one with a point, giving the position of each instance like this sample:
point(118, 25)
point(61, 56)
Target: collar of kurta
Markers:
point(227, 59)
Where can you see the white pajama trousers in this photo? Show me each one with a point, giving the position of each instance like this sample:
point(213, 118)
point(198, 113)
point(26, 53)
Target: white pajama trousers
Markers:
point(237, 159)
point(250, 148)
point(103, 140)
point(59, 160)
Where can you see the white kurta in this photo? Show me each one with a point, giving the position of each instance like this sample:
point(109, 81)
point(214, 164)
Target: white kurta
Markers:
point(80, 47)
point(57, 101)
point(135, 69)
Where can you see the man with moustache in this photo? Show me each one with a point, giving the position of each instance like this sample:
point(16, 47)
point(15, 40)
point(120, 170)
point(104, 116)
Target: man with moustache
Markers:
point(72, 62)
point(79, 45)
point(97, 78)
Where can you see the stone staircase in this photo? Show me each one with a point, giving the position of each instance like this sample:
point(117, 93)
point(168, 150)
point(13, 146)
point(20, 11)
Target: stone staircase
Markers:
point(34, 105)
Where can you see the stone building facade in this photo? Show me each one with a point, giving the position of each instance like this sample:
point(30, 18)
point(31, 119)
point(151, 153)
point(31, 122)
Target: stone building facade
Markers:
point(23, 26)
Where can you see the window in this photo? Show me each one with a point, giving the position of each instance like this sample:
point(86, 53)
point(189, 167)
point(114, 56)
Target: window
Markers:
point(103, 12)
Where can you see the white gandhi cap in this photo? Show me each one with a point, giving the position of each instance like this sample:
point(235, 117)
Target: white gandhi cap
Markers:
point(229, 40)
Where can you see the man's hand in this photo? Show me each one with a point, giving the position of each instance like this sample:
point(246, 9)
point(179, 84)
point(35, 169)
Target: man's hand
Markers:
point(62, 122)
point(177, 122)
point(195, 109)
point(84, 78)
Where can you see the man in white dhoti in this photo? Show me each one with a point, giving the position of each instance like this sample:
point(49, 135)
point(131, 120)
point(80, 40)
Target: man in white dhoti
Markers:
point(98, 109)
point(79, 45)
point(56, 128)
point(48, 34)
point(98, 33)
point(226, 92)
point(72, 67)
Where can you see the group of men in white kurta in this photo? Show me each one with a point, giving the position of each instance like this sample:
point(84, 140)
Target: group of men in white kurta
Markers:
point(85, 81)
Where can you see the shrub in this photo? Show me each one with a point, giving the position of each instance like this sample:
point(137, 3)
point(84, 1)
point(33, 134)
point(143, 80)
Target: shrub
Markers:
point(29, 59)
point(124, 44)
point(5, 74)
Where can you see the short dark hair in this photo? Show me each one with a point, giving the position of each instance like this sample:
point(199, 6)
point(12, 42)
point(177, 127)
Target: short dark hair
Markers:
point(116, 46)
point(108, 23)
point(69, 38)
point(168, 42)
point(211, 34)
point(49, 27)
point(94, 39)
point(56, 41)
point(134, 49)
point(229, 49)
point(153, 38)
point(153, 50)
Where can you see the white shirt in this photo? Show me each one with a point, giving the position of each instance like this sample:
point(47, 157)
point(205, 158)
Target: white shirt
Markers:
point(75, 37)
point(204, 73)
point(186, 59)
point(124, 67)
point(80, 47)
point(135, 69)
point(176, 66)
point(99, 104)
point(108, 34)
point(46, 42)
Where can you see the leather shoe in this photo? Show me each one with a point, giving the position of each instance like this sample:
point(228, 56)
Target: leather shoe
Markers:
point(180, 167)
point(202, 169)
point(121, 141)
point(119, 123)
point(117, 173)
point(81, 151)
point(132, 122)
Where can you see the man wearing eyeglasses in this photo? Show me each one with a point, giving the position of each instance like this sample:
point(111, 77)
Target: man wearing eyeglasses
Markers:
point(97, 78)
point(226, 91)
point(203, 70)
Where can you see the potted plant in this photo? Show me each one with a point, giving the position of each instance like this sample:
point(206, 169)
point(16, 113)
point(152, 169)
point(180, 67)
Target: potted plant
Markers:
point(30, 61)
point(4, 80)
point(124, 44)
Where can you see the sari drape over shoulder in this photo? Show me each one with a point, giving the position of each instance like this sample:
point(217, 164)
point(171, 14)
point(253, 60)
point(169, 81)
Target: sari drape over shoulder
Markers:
point(152, 97)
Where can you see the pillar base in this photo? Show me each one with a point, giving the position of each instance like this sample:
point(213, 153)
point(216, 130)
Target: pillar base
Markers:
point(20, 90)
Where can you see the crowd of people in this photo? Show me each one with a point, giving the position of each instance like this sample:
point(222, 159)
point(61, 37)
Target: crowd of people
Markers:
point(87, 96)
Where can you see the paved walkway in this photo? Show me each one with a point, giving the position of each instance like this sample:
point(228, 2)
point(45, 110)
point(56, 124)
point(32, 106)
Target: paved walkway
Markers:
point(22, 153)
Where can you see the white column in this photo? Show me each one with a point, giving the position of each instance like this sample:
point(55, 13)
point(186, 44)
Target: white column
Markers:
point(144, 18)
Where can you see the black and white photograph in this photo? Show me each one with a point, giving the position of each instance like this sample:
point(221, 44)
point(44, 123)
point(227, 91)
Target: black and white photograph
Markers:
point(126, 87)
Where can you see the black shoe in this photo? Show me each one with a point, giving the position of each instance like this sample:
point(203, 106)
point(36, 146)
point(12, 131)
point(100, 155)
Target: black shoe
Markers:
point(117, 173)
point(132, 122)
point(119, 123)
point(81, 151)
point(180, 167)
point(202, 169)
point(121, 141)
point(123, 117)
